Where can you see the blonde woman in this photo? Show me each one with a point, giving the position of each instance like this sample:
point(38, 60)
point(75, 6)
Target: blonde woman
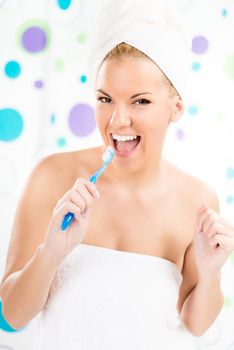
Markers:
point(139, 267)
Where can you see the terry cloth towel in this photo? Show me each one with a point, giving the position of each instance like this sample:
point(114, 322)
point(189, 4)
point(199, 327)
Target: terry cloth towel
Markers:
point(107, 299)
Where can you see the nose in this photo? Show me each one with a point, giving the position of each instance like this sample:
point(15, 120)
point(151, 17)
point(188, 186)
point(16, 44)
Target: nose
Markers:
point(120, 118)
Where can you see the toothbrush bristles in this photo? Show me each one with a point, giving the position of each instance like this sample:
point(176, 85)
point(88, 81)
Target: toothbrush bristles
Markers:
point(108, 155)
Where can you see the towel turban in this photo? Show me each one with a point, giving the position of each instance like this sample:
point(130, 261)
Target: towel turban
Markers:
point(152, 26)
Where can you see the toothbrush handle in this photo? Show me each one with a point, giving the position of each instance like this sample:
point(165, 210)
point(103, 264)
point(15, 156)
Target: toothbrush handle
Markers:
point(69, 217)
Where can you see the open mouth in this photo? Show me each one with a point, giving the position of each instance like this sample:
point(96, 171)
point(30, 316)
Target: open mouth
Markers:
point(125, 147)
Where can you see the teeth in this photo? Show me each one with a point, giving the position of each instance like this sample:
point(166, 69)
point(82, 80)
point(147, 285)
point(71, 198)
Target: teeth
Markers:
point(124, 137)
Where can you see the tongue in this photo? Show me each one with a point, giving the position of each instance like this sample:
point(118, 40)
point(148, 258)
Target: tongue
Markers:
point(126, 146)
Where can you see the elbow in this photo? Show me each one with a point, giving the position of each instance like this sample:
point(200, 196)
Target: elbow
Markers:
point(10, 319)
point(195, 330)
point(9, 316)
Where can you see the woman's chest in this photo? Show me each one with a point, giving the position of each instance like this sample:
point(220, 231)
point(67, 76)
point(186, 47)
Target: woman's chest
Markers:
point(154, 227)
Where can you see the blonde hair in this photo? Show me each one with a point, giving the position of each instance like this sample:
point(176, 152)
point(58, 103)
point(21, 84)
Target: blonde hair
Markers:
point(123, 50)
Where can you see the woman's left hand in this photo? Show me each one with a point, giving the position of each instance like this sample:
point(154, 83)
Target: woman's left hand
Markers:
point(214, 241)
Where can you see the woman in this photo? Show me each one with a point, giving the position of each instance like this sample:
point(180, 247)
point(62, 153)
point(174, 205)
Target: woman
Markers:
point(138, 266)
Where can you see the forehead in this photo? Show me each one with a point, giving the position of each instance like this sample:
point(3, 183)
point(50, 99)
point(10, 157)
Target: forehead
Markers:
point(129, 73)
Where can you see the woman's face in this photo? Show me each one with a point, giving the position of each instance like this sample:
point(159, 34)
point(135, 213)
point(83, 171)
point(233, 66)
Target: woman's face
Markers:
point(118, 110)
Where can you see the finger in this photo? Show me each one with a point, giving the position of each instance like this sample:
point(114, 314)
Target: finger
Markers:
point(204, 206)
point(69, 207)
point(202, 218)
point(77, 199)
point(91, 187)
point(227, 224)
point(217, 227)
point(208, 221)
point(225, 242)
point(85, 195)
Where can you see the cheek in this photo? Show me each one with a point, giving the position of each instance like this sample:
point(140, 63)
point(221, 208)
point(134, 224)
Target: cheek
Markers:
point(101, 120)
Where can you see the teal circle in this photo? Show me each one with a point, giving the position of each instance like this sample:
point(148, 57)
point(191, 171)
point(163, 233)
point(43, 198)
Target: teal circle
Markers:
point(230, 173)
point(52, 119)
point(196, 66)
point(12, 69)
point(83, 79)
point(3, 323)
point(61, 142)
point(11, 124)
point(193, 110)
point(230, 199)
point(64, 4)
point(224, 12)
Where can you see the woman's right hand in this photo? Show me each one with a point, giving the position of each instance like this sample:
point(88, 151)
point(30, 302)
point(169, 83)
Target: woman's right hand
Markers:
point(78, 200)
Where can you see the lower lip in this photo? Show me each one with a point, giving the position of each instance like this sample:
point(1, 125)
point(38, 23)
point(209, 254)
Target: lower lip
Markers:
point(125, 154)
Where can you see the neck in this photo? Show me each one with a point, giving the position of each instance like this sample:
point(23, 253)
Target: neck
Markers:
point(123, 174)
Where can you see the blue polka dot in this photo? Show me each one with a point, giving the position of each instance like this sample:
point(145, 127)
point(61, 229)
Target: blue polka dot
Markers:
point(64, 4)
point(11, 124)
point(230, 199)
point(83, 78)
point(3, 323)
point(196, 66)
point(61, 142)
point(193, 110)
point(230, 173)
point(224, 12)
point(52, 119)
point(12, 69)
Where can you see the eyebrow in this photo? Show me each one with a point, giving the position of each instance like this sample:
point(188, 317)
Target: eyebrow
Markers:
point(142, 93)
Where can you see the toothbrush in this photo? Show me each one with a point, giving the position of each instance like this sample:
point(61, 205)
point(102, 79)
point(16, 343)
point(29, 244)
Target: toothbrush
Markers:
point(107, 157)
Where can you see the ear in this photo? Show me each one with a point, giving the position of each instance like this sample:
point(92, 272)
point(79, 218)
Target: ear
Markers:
point(177, 108)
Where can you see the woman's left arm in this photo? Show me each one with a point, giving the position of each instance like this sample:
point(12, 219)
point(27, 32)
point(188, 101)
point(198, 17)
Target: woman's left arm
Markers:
point(213, 244)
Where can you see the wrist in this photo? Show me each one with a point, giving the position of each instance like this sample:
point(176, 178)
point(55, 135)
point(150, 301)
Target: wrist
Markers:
point(212, 277)
point(50, 258)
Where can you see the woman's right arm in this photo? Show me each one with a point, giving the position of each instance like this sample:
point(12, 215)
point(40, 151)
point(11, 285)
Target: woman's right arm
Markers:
point(24, 292)
point(37, 245)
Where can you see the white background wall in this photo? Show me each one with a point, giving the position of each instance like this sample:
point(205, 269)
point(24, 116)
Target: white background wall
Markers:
point(49, 80)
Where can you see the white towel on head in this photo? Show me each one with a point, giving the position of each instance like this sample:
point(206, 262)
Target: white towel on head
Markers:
point(152, 26)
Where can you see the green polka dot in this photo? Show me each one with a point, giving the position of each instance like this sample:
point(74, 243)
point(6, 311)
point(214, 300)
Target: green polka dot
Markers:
point(228, 301)
point(81, 38)
point(220, 116)
point(229, 66)
point(232, 258)
point(58, 65)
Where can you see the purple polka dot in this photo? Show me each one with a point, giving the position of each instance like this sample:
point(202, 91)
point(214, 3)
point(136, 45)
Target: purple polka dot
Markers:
point(34, 39)
point(39, 84)
point(180, 134)
point(200, 44)
point(81, 120)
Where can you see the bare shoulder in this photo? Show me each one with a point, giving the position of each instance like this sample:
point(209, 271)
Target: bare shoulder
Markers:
point(196, 190)
point(48, 180)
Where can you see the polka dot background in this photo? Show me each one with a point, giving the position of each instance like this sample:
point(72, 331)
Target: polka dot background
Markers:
point(47, 106)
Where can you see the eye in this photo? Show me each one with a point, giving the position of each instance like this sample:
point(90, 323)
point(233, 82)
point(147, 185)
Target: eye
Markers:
point(105, 98)
point(144, 101)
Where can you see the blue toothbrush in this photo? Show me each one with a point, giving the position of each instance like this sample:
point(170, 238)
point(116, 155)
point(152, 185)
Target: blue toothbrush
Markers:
point(107, 157)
